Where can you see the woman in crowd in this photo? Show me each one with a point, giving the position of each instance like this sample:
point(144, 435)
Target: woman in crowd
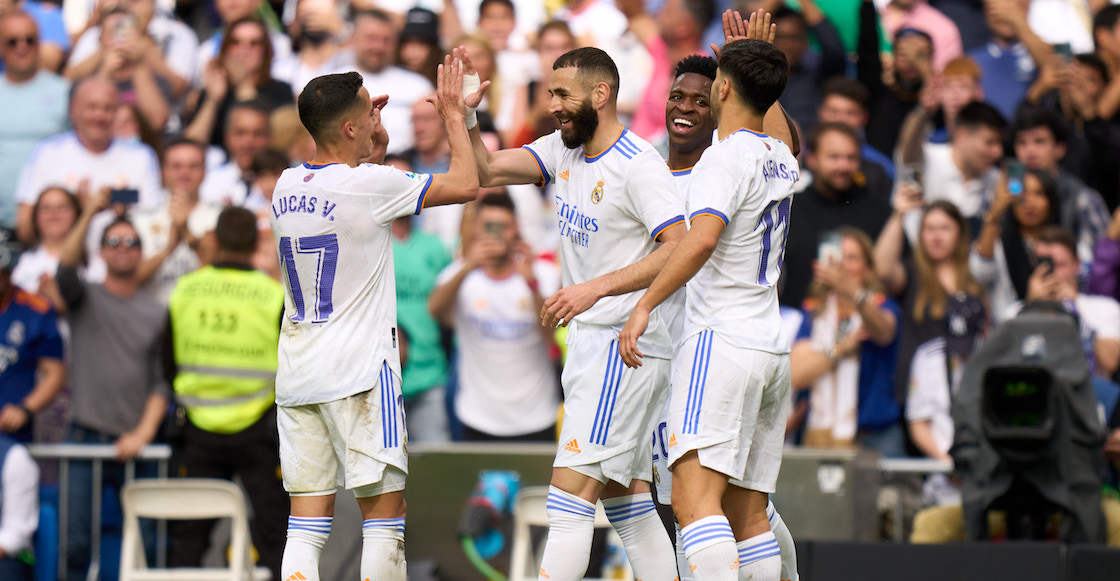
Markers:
point(845, 353)
point(505, 101)
point(934, 282)
point(1003, 256)
point(242, 72)
point(52, 217)
point(419, 50)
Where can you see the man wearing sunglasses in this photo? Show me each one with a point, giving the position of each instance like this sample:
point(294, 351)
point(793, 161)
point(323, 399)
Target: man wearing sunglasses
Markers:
point(32, 103)
point(118, 389)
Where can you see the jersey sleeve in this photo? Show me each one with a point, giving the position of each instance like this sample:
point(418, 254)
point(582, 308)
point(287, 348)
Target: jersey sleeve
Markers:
point(653, 198)
point(50, 343)
point(714, 189)
point(545, 151)
point(394, 193)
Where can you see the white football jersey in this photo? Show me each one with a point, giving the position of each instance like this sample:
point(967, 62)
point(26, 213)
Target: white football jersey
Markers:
point(746, 180)
point(332, 225)
point(610, 209)
point(673, 310)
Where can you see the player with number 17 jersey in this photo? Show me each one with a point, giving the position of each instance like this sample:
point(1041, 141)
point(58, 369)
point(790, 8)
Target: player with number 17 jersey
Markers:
point(332, 227)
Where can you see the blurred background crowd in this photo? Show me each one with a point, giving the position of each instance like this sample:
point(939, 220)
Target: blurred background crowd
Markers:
point(960, 158)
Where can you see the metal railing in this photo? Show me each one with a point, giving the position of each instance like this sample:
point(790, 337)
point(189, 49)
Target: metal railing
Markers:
point(923, 466)
point(98, 454)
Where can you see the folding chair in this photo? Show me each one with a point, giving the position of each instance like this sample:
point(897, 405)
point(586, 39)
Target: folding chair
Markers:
point(531, 510)
point(186, 499)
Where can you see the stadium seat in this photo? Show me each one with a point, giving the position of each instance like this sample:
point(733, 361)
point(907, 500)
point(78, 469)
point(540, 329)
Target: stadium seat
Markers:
point(186, 499)
point(531, 511)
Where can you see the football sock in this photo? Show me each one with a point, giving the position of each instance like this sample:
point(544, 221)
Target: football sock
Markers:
point(383, 549)
point(759, 558)
point(306, 537)
point(785, 543)
point(709, 546)
point(571, 522)
point(643, 536)
point(683, 572)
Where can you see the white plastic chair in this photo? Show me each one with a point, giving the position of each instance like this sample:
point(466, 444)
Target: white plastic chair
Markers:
point(186, 499)
point(532, 510)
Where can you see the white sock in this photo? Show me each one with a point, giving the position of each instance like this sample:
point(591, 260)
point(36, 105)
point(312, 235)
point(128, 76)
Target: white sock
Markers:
point(709, 546)
point(785, 543)
point(306, 537)
point(643, 536)
point(571, 522)
point(383, 549)
point(759, 558)
point(684, 573)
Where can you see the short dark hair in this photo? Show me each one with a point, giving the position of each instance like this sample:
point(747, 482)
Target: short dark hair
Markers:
point(507, 3)
point(758, 72)
point(980, 115)
point(831, 127)
point(592, 64)
point(236, 230)
point(704, 66)
point(787, 12)
point(500, 199)
point(326, 99)
point(1106, 18)
point(117, 222)
point(557, 25)
point(849, 89)
point(391, 157)
point(1095, 62)
point(701, 11)
point(1058, 235)
point(373, 13)
point(181, 141)
point(270, 161)
point(1032, 117)
point(256, 105)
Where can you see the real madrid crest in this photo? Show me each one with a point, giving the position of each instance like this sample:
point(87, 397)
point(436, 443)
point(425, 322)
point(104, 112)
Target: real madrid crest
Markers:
point(597, 193)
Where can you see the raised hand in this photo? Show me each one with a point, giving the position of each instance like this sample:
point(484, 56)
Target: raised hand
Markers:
point(475, 97)
point(449, 88)
point(757, 27)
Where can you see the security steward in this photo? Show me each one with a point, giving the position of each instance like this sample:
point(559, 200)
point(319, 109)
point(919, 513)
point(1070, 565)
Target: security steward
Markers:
point(222, 339)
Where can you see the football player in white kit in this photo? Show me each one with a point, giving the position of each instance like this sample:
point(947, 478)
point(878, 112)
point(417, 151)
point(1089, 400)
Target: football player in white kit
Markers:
point(614, 204)
point(340, 407)
point(731, 378)
point(689, 121)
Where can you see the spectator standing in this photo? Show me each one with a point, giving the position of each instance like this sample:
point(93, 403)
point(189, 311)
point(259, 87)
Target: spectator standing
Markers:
point(838, 196)
point(90, 154)
point(52, 217)
point(374, 43)
point(175, 232)
point(118, 392)
point(32, 104)
point(320, 35)
point(553, 39)
point(919, 15)
point(845, 354)
point(220, 355)
point(48, 21)
point(432, 154)
point(32, 371)
point(1104, 272)
point(895, 95)
point(424, 377)
point(248, 132)
point(492, 297)
point(241, 73)
point(418, 47)
point(1010, 61)
point(19, 494)
point(808, 69)
point(844, 100)
point(229, 12)
point(1003, 257)
point(168, 46)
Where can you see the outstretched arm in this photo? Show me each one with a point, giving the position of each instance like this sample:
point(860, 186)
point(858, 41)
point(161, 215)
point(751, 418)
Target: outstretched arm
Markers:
point(460, 183)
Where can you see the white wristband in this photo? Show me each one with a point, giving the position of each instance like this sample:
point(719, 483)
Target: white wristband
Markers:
point(471, 83)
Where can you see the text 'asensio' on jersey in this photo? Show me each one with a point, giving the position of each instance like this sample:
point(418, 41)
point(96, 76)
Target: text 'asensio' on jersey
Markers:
point(303, 204)
point(772, 169)
point(575, 225)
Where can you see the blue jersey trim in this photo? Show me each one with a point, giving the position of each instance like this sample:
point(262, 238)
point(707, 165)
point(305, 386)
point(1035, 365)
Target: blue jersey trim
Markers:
point(545, 177)
point(710, 212)
point(665, 225)
point(423, 195)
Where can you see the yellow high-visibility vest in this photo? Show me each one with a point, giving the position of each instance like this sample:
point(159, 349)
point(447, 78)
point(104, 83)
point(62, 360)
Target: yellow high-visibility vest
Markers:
point(226, 326)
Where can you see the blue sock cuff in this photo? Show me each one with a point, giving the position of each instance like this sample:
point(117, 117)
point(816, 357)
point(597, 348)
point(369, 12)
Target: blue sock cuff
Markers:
point(624, 508)
point(757, 548)
point(570, 504)
point(383, 524)
point(317, 524)
point(705, 533)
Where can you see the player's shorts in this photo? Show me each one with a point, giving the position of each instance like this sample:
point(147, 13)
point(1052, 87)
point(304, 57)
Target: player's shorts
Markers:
point(609, 409)
point(730, 405)
point(662, 480)
point(362, 434)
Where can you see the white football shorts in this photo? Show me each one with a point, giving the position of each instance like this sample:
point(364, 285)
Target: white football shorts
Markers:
point(730, 404)
point(609, 409)
point(362, 434)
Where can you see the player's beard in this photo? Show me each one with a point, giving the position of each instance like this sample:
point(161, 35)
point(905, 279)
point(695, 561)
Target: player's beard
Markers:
point(583, 124)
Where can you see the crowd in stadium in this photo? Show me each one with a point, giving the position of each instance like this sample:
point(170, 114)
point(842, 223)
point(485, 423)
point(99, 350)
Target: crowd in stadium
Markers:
point(959, 158)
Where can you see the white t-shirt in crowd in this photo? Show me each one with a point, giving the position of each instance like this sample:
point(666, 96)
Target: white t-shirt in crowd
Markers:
point(154, 227)
point(611, 207)
point(332, 225)
point(293, 71)
point(943, 180)
point(507, 385)
point(746, 180)
point(225, 185)
point(176, 41)
point(404, 88)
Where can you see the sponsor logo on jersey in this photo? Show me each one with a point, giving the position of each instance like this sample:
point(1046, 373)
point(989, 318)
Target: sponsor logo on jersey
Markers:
point(572, 446)
point(597, 193)
point(564, 175)
point(574, 225)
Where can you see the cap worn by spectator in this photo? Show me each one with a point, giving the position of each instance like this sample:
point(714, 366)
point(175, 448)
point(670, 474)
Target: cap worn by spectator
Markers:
point(421, 24)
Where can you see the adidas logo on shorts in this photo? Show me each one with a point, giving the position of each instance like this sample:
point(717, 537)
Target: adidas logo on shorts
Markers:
point(572, 446)
point(672, 440)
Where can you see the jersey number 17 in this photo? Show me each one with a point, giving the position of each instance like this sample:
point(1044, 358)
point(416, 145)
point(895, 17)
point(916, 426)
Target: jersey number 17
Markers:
point(325, 250)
